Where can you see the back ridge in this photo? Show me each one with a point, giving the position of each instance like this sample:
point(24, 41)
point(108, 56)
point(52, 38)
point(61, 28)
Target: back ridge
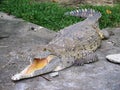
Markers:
point(92, 18)
point(85, 13)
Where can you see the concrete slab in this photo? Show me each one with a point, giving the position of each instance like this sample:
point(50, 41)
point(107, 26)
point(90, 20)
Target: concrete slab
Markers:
point(21, 42)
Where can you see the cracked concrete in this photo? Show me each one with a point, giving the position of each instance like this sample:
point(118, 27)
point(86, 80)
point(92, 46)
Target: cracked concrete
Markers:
point(20, 41)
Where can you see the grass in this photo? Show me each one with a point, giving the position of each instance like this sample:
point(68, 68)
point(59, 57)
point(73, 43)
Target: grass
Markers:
point(51, 15)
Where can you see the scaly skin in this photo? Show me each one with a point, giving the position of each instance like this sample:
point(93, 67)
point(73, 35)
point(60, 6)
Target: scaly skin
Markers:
point(73, 45)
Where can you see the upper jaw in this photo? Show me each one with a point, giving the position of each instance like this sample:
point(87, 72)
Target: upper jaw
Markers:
point(38, 67)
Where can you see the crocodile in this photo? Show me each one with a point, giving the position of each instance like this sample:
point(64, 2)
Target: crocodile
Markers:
point(73, 45)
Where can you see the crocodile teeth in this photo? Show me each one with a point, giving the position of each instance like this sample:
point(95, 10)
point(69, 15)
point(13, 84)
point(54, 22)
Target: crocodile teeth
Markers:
point(36, 64)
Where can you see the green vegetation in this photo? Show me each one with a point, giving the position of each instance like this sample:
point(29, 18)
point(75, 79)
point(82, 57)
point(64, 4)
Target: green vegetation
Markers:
point(51, 15)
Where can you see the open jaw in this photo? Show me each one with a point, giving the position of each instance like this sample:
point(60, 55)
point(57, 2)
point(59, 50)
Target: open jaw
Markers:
point(37, 67)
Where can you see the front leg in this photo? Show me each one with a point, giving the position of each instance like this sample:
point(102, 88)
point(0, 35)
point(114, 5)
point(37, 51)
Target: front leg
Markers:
point(89, 57)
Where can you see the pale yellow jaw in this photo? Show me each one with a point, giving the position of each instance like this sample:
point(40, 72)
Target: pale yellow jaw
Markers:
point(37, 64)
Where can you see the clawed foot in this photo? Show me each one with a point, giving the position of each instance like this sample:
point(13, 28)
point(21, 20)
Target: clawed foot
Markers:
point(86, 60)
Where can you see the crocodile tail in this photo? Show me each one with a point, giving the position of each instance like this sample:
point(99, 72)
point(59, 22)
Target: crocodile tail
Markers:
point(85, 13)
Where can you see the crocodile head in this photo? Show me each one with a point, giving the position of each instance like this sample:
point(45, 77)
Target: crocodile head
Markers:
point(38, 66)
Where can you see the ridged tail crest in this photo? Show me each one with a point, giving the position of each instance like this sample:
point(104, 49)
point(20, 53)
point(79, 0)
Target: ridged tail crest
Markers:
point(84, 13)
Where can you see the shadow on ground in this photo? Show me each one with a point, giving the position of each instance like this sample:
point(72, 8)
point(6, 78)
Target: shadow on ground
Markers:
point(20, 41)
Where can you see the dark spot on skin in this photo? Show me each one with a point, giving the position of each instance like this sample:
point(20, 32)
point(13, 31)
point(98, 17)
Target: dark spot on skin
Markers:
point(86, 28)
point(91, 46)
point(68, 61)
point(80, 38)
point(92, 36)
point(84, 47)
point(72, 62)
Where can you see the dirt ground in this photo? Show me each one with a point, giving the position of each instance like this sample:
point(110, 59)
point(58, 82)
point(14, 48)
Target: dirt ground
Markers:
point(20, 41)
